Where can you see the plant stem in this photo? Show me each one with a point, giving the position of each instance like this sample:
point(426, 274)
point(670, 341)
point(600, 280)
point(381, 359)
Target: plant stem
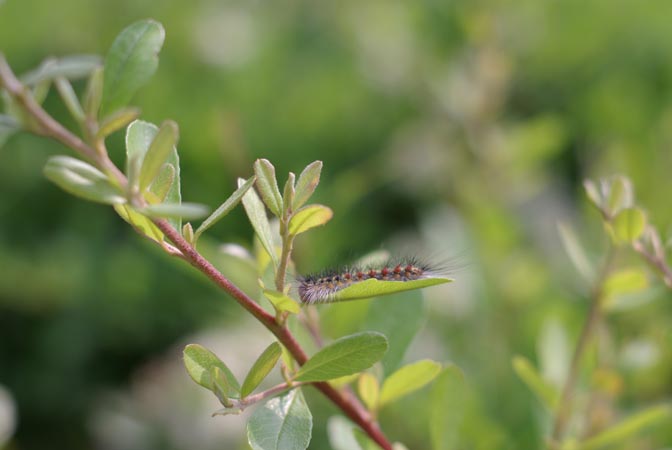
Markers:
point(287, 246)
point(655, 261)
point(49, 127)
point(564, 408)
point(345, 401)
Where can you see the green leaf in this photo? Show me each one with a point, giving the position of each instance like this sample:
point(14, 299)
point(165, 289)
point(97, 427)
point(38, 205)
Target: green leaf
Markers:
point(220, 386)
point(162, 145)
point(345, 356)
point(309, 217)
point(408, 379)
point(288, 195)
point(627, 428)
point(375, 288)
point(625, 281)
point(70, 99)
point(544, 391)
point(139, 137)
point(262, 367)
point(576, 252)
point(256, 213)
point(131, 61)
point(619, 193)
point(629, 224)
point(306, 184)
point(71, 67)
point(283, 423)
point(369, 390)
point(282, 302)
point(187, 211)
point(446, 408)
point(225, 207)
point(140, 223)
point(162, 184)
point(93, 95)
point(199, 361)
point(116, 121)
point(268, 185)
point(82, 179)
point(399, 317)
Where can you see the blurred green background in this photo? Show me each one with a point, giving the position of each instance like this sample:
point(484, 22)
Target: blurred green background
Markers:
point(461, 130)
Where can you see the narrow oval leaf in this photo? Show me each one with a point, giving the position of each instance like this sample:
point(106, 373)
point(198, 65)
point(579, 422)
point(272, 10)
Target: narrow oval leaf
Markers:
point(140, 223)
point(131, 61)
point(282, 302)
point(69, 98)
point(199, 361)
point(620, 194)
point(544, 391)
point(283, 423)
point(407, 379)
point(309, 217)
point(162, 145)
point(71, 67)
point(268, 185)
point(344, 356)
point(220, 386)
point(288, 195)
point(625, 281)
point(262, 367)
point(82, 179)
point(628, 427)
point(139, 136)
point(306, 184)
point(629, 224)
point(256, 213)
point(162, 184)
point(116, 121)
point(447, 407)
point(576, 252)
point(369, 390)
point(187, 211)
point(375, 288)
point(225, 207)
point(93, 95)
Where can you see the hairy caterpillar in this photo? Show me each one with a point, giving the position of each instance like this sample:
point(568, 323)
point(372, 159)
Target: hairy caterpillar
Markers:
point(350, 283)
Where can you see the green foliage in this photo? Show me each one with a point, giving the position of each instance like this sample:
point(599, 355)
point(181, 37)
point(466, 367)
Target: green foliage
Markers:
point(375, 288)
point(262, 366)
point(225, 207)
point(200, 362)
point(82, 179)
point(309, 217)
point(130, 62)
point(344, 356)
point(472, 155)
point(407, 379)
point(283, 423)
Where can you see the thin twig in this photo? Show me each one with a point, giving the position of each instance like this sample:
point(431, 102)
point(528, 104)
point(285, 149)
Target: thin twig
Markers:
point(564, 408)
point(49, 127)
point(656, 262)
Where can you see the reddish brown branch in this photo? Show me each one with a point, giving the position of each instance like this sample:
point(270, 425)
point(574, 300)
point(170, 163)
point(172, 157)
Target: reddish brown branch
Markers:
point(48, 126)
point(346, 402)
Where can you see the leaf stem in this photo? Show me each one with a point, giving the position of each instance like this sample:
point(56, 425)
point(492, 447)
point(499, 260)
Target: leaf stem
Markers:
point(49, 127)
point(564, 407)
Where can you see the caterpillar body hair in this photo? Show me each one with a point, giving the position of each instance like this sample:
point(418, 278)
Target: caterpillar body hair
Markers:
point(324, 286)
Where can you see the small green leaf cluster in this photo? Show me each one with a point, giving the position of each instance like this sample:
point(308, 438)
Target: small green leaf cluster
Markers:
point(147, 195)
point(614, 286)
